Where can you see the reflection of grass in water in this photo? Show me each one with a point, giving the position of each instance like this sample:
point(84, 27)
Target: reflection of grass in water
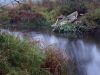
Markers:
point(22, 57)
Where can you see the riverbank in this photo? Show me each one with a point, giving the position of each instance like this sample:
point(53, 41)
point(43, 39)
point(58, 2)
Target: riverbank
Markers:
point(33, 17)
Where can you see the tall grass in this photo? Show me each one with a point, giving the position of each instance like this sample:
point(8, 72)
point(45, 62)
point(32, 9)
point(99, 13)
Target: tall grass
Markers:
point(58, 64)
point(22, 57)
point(19, 57)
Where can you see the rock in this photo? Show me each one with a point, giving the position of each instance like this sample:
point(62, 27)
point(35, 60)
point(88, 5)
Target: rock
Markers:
point(64, 20)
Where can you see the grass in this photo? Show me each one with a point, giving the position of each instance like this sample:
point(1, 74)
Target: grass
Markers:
point(18, 57)
point(58, 64)
point(88, 23)
point(22, 57)
point(44, 17)
point(91, 20)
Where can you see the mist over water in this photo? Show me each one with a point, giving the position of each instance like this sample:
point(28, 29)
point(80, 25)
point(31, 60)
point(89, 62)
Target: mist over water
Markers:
point(85, 51)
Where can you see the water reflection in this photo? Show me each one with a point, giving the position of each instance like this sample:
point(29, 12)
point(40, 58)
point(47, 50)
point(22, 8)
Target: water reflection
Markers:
point(93, 68)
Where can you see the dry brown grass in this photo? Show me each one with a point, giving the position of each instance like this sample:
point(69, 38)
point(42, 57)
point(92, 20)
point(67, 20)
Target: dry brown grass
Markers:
point(57, 64)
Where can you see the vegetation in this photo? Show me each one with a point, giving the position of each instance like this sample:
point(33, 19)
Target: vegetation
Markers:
point(19, 57)
point(30, 14)
point(57, 64)
point(91, 20)
point(69, 27)
point(22, 57)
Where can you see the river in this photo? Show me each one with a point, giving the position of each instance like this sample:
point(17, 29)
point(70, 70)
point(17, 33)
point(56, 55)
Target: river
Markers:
point(84, 49)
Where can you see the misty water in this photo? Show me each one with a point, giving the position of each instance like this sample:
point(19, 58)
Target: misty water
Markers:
point(85, 50)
